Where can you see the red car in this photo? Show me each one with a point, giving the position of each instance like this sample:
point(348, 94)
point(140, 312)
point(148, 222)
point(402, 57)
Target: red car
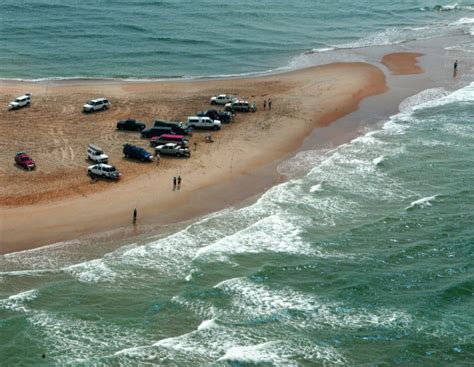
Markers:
point(24, 160)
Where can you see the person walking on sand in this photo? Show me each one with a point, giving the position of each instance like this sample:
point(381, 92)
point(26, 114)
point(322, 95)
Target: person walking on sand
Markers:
point(179, 182)
point(174, 183)
point(269, 103)
point(135, 216)
point(157, 158)
point(264, 104)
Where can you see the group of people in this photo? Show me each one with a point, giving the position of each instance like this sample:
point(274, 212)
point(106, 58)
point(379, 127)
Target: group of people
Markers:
point(208, 139)
point(269, 104)
point(176, 182)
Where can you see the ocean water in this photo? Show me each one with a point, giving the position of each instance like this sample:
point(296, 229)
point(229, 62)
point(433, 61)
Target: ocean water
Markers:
point(367, 259)
point(188, 38)
point(364, 256)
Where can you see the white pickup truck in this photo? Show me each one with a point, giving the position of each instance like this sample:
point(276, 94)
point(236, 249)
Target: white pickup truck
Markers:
point(203, 122)
point(222, 99)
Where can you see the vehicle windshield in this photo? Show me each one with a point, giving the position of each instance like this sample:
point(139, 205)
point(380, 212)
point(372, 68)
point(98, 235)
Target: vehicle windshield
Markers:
point(112, 169)
point(90, 102)
point(25, 159)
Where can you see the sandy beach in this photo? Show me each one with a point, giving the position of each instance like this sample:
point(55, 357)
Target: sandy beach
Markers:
point(402, 63)
point(58, 202)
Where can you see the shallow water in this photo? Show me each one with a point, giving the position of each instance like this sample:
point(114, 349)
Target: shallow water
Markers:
point(363, 257)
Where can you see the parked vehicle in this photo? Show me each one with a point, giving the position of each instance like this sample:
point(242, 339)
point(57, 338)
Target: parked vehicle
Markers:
point(132, 151)
point(222, 99)
point(96, 105)
point(203, 123)
point(222, 116)
point(240, 106)
point(169, 138)
point(22, 101)
point(131, 124)
point(103, 170)
point(96, 154)
point(24, 160)
point(156, 131)
point(178, 127)
point(173, 149)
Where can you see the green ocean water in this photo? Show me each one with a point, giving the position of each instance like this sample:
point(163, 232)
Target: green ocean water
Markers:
point(365, 260)
point(365, 257)
point(43, 39)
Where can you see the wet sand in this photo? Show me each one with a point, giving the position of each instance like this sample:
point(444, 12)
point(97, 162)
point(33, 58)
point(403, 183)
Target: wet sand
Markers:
point(402, 63)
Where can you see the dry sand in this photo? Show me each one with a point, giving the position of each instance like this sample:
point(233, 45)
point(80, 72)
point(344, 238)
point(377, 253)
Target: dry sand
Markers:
point(402, 63)
point(58, 202)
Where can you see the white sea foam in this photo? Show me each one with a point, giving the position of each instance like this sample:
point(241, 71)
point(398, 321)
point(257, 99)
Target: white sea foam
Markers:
point(251, 301)
point(316, 188)
point(377, 161)
point(425, 96)
point(462, 21)
point(271, 234)
point(269, 352)
point(73, 338)
point(17, 302)
point(93, 271)
point(207, 324)
point(422, 203)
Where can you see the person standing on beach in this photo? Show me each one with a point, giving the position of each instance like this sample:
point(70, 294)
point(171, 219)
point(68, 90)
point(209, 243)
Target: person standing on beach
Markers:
point(264, 104)
point(135, 216)
point(179, 182)
point(455, 68)
point(157, 158)
point(174, 183)
point(269, 103)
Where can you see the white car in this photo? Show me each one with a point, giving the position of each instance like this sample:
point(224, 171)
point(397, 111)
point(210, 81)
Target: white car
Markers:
point(96, 105)
point(103, 170)
point(173, 149)
point(21, 101)
point(222, 99)
point(96, 154)
point(203, 122)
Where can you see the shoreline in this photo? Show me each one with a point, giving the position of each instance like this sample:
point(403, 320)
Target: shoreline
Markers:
point(189, 203)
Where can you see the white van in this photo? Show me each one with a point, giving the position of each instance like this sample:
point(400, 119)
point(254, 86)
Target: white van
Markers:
point(96, 154)
point(203, 122)
point(21, 101)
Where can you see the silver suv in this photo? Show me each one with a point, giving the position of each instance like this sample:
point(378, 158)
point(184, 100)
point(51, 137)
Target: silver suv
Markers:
point(96, 105)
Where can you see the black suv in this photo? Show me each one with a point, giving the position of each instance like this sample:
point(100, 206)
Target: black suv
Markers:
point(177, 127)
point(131, 124)
point(157, 131)
point(223, 116)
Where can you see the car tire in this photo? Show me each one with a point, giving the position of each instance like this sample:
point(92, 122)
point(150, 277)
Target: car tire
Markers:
point(213, 103)
point(178, 155)
point(215, 127)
